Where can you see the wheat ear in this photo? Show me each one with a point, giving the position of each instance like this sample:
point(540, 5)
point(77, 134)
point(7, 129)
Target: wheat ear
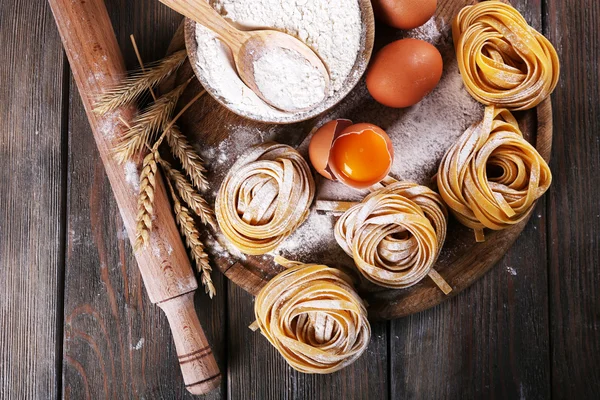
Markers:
point(134, 85)
point(192, 239)
point(145, 125)
point(190, 160)
point(146, 200)
point(189, 195)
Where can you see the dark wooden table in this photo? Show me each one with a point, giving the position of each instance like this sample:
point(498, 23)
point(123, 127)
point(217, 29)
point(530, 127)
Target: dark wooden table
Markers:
point(75, 321)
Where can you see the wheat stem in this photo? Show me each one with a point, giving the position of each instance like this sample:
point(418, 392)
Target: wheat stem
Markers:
point(124, 122)
point(139, 58)
point(188, 194)
point(133, 86)
point(145, 125)
point(192, 239)
point(146, 200)
point(190, 160)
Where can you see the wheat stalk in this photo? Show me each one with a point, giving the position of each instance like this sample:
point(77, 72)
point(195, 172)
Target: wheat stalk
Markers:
point(140, 61)
point(141, 130)
point(146, 200)
point(190, 160)
point(189, 195)
point(192, 239)
point(144, 126)
point(133, 86)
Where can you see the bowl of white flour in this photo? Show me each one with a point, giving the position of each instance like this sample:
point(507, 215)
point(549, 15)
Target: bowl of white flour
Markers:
point(341, 32)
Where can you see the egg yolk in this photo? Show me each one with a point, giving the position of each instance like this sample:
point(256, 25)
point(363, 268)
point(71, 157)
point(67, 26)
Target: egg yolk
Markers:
point(361, 157)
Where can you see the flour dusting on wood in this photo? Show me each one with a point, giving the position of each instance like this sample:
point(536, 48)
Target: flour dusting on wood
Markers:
point(132, 176)
point(139, 344)
point(108, 124)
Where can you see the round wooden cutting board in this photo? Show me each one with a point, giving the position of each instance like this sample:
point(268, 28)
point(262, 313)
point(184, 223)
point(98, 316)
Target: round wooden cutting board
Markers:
point(462, 261)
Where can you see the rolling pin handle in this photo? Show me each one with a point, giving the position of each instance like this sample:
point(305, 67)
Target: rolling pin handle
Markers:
point(198, 365)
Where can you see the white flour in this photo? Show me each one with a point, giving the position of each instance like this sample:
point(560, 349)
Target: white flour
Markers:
point(428, 32)
point(332, 28)
point(131, 175)
point(287, 80)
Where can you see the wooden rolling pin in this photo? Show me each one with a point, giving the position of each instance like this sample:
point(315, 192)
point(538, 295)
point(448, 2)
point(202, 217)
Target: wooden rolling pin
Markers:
point(97, 64)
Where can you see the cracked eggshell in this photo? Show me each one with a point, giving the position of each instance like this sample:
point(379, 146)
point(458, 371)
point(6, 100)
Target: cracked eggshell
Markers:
point(320, 145)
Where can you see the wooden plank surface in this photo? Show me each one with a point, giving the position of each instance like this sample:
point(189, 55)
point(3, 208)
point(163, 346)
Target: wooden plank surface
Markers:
point(528, 329)
point(31, 188)
point(117, 344)
point(574, 202)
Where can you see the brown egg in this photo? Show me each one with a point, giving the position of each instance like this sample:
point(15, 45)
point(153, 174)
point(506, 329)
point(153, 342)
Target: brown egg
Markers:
point(320, 145)
point(404, 14)
point(404, 72)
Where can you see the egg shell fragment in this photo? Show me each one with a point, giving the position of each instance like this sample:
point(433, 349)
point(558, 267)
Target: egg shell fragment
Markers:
point(320, 145)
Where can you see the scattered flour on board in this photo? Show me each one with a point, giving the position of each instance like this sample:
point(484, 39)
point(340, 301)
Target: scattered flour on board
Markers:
point(240, 140)
point(215, 248)
point(320, 226)
point(108, 124)
point(426, 131)
point(511, 271)
point(429, 32)
point(132, 176)
point(139, 344)
point(218, 246)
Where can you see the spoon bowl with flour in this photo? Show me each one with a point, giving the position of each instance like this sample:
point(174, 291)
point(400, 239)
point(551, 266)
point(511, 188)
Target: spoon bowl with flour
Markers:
point(273, 64)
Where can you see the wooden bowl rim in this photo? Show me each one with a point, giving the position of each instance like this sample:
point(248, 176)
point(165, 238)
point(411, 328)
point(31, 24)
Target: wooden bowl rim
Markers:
point(356, 73)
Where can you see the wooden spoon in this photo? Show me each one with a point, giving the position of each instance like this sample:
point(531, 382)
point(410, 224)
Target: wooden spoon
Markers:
point(248, 46)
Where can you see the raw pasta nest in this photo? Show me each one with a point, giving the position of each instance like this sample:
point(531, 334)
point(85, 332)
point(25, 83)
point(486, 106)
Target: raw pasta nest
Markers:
point(492, 176)
point(503, 61)
point(395, 234)
point(265, 196)
point(313, 317)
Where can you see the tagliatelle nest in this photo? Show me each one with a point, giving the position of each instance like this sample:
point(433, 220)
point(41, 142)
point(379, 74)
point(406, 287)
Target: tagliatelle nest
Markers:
point(502, 60)
point(395, 234)
point(492, 176)
point(314, 317)
point(265, 196)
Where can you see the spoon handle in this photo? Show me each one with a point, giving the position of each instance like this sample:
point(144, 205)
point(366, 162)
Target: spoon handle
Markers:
point(203, 13)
